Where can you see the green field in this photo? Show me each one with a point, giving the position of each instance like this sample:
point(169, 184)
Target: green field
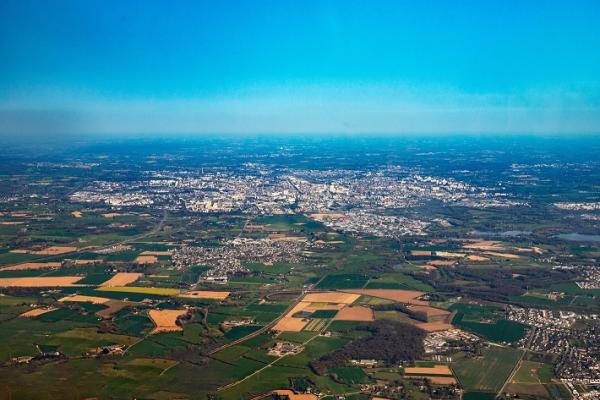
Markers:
point(488, 372)
point(343, 281)
point(533, 372)
point(349, 375)
point(324, 314)
point(495, 328)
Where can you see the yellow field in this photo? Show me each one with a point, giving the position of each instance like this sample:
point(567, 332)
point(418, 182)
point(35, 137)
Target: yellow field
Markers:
point(289, 324)
point(358, 313)
point(485, 245)
point(501, 255)
point(421, 253)
point(141, 289)
point(122, 279)
point(32, 265)
point(55, 250)
point(442, 380)
point(85, 299)
point(37, 311)
point(437, 370)
point(313, 302)
point(205, 294)
point(436, 380)
point(440, 263)
point(166, 320)
point(145, 260)
point(323, 306)
point(40, 281)
point(331, 297)
point(447, 254)
point(291, 395)
point(434, 326)
point(433, 314)
point(473, 257)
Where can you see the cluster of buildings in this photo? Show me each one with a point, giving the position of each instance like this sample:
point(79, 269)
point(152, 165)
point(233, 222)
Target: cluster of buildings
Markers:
point(450, 341)
point(364, 197)
point(585, 206)
point(231, 256)
point(542, 318)
point(281, 349)
point(577, 348)
point(578, 355)
point(590, 278)
point(373, 224)
point(576, 395)
point(114, 195)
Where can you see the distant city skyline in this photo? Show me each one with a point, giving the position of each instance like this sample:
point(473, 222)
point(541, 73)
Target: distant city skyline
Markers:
point(73, 68)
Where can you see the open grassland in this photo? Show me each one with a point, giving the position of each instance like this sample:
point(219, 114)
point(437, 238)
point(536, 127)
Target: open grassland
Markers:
point(77, 341)
point(530, 391)
point(349, 375)
point(533, 372)
point(397, 280)
point(488, 372)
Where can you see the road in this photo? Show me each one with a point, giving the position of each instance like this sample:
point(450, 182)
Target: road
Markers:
point(270, 324)
point(151, 232)
point(512, 373)
point(259, 331)
point(232, 384)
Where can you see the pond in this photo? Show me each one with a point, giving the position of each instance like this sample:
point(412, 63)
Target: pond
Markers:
point(578, 237)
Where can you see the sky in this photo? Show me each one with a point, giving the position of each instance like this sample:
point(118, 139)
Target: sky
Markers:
point(392, 67)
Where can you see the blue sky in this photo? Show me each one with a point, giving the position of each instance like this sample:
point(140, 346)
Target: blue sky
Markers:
point(143, 67)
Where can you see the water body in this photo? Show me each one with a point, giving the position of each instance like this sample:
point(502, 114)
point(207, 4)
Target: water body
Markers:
point(501, 234)
point(578, 237)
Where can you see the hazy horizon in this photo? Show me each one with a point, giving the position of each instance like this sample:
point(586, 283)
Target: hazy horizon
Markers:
point(91, 69)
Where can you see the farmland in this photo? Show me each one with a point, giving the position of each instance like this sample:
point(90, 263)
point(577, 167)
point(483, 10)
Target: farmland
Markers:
point(487, 372)
point(217, 273)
